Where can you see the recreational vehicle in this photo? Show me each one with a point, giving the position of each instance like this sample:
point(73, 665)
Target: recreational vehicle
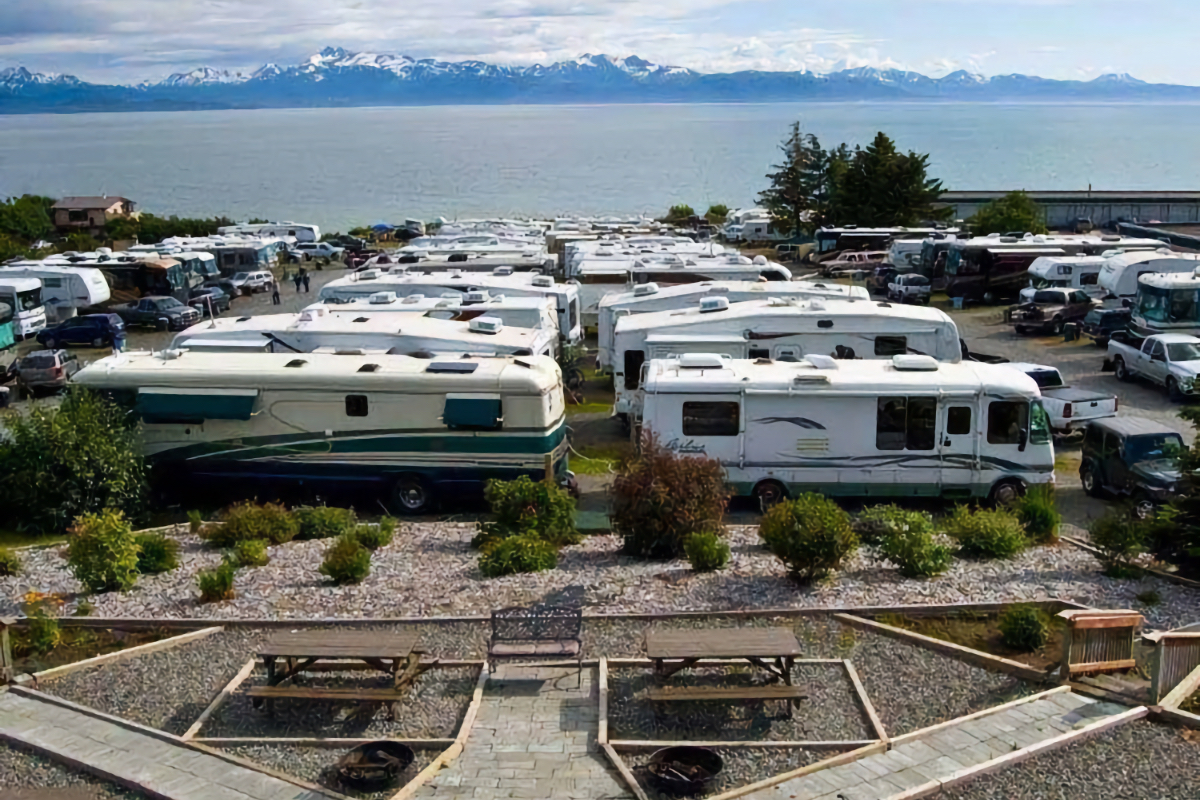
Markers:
point(65, 290)
point(7, 339)
point(1167, 302)
point(902, 427)
point(24, 296)
point(407, 429)
point(779, 329)
point(850, 237)
point(283, 230)
point(1120, 276)
point(1065, 272)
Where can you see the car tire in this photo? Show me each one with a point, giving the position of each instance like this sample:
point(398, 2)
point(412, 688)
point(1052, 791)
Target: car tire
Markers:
point(1056, 326)
point(1006, 491)
point(412, 495)
point(51, 343)
point(769, 494)
point(1174, 393)
point(1091, 484)
point(1021, 330)
point(1120, 370)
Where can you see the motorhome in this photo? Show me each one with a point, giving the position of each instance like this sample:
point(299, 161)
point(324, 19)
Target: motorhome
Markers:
point(903, 427)
point(407, 429)
point(1065, 272)
point(467, 262)
point(1167, 302)
point(780, 329)
point(299, 232)
point(1120, 276)
point(319, 327)
point(623, 249)
point(851, 237)
point(7, 338)
point(480, 245)
point(65, 290)
point(650, 297)
point(24, 296)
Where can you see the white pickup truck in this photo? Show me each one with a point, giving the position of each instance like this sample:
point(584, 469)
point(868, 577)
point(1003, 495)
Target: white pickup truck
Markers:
point(1069, 408)
point(1172, 360)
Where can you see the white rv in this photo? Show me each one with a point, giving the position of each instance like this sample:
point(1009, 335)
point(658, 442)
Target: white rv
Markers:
point(650, 297)
point(24, 296)
point(1167, 302)
point(298, 232)
point(907, 426)
point(1119, 277)
point(65, 289)
point(778, 329)
point(1065, 272)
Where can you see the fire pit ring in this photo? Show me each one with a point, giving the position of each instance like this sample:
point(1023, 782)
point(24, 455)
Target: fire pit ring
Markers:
point(374, 766)
point(684, 769)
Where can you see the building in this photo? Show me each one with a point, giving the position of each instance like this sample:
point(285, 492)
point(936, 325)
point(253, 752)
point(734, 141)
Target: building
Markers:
point(88, 214)
point(1063, 208)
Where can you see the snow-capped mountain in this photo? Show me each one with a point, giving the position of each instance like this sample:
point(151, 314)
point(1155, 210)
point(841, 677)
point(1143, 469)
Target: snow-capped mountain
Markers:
point(338, 77)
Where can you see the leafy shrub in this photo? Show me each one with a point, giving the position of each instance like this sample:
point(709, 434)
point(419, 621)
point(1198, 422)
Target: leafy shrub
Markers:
point(251, 553)
point(1150, 597)
point(102, 551)
point(195, 522)
point(517, 554)
point(811, 535)
point(877, 523)
point(1121, 537)
point(44, 632)
point(374, 537)
point(216, 584)
point(10, 563)
point(346, 561)
point(324, 522)
point(706, 552)
point(1038, 514)
point(986, 533)
point(523, 507)
point(660, 498)
point(916, 553)
point(1025, 628)
point(245, 521)
point(156, 553)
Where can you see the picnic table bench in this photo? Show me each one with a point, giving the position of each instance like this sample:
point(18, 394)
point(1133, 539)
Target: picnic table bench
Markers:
point(537, 632)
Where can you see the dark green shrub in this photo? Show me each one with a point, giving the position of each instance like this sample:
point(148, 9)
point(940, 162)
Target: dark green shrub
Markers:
point(102, 551)
point(660, 498)
point(195, 522)
point(1121, 538)
point(244, 521)
point(706, 552)
point(10, 563)
point(986, 533)
point(811, 535)
point(156, 553)
point(216, 584)
point(251, 553)
point(877, 523)
point(916, 553)
point(515, 554)
point(324, 522)
point(346, 561)
point(523, 507)
point(1025, 628)
point(374, 537)
point(1038, 514)
point(44, 632)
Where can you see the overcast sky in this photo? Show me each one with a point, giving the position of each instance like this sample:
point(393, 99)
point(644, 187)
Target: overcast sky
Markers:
point(134, 40)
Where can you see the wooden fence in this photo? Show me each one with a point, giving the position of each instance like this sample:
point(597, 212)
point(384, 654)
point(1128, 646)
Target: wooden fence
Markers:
point(1175, 654)
point(1098, 641)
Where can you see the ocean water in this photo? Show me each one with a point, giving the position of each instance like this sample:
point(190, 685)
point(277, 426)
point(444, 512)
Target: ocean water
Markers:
point(345, 167)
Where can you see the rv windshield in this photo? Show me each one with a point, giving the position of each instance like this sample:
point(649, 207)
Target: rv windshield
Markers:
point(1168, 305)
point(962, 262)
point(6, 313)
point(1039, 424)
point(1043, 283)
point(29, 300)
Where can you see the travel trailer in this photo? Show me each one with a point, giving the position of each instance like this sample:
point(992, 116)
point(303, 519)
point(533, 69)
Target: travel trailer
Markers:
point(65, 290)
point(1120, 276)
point(24, 296)
point(779, 329)
point(321, 327)
point(650, 297)
point(1167, 302)
point(1065, 272)
point(408, 430)
point(907, 426)
point(282, 230)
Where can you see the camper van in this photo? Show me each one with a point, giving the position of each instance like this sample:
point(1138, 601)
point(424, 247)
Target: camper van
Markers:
point(1065, 272)
point(65, 290)
point(410, 430)
point(907, 426)
point(1120, 276)
point(778, 329)
point(650, 297)
point(24, 296)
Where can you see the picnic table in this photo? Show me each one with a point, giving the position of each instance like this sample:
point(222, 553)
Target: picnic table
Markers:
point(772, 649)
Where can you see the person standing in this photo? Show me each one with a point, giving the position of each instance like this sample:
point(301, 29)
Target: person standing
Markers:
point(298, 279)
point(306, 281)
point(275, 293)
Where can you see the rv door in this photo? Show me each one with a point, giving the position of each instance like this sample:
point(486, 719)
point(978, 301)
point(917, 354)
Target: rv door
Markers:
point(959, 446)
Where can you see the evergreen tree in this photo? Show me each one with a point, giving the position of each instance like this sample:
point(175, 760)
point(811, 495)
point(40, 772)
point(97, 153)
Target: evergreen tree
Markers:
point(882, 187)
point(1013, 212)
point(800, 186)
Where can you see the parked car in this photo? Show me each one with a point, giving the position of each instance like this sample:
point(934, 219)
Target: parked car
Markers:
point(1050, 310)
point(1131, 457)
point(311, 250)
point(877, 282)
point(160, 313)
point(89, 330)
point(225, 285)
point(1172, 360)
point(46, 370)
point(202, 295)
point(910, 288)
point(1101, 323)
point(252, 282)
point(850, 263)
point(1070, 408)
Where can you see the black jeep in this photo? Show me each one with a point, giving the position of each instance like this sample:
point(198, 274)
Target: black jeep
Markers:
point(1131, 457)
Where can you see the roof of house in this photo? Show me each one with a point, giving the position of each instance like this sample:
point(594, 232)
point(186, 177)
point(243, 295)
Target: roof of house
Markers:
point(89, 202)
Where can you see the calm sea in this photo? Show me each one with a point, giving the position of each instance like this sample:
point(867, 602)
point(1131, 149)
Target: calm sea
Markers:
point(343, 167)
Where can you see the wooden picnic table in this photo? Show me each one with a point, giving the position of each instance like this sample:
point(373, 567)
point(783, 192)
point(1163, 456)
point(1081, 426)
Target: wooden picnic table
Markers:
point(772, 649)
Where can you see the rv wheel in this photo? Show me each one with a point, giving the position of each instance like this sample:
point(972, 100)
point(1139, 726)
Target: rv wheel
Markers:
point(1006, 491)
point(412, 495)
point(769, 493)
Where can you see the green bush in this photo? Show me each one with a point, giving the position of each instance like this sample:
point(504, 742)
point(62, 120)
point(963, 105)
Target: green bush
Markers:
point(324, 522)
point(346, 561)
point(10, 563)
point(156, 553)
point(44, 632)
point(102, 551)
point(1025, 628)
point(706, 552)
point(811, 535)
point(245, 521)
point(986, 533)
point(374, 537)
point(916, 553)
point(1121, 538)
point(195, 522)
point(1038, 514)
point(877, 523)
point(251, 553)
point(523, 507)
point(517, 554)
point(216, 584)
point(661, 498)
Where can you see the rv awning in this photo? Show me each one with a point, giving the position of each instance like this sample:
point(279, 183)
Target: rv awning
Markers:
point(227, 345)
point(195, 405)
point(668, 338)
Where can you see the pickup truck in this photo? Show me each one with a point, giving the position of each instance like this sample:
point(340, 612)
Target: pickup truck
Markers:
point(1050, 310)
point(1070, 409)
point(1172, 360)
point(160, 313)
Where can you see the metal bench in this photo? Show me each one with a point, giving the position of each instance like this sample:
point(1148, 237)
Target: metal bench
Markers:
point(537, 632)
point(672, 694)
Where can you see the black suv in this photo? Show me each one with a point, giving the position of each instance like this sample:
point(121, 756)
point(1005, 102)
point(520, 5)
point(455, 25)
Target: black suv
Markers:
point(1131, 457)
point(1102, 323)
point(199, 299)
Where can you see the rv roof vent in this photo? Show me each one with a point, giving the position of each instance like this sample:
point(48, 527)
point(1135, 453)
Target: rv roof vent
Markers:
point(915, 363)
point(368, 275)
point(369, 368)
point(642, 290)
point(718, 290)
point(243, 319)
point(413, 298)
point(701, 361)
point(479, 296)
point(449, 296)
point(543, 281)
point(1008, 239)
point(349, 351)
point(851, 227)
point(361, 319)
point(383, 298)
point(312, 314)
point(777, 302)
point(760, 260)
point(295, 363)
point(821, 362)
point(486, 325)
point(502, 271)
point(816, 304)
point(461, 367)
point(993, 236)
point(711, 304)
point(1110, 238)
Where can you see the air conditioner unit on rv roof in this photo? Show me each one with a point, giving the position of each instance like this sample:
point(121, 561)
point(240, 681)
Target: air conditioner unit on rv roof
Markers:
point(486, 325)
point(382, 298)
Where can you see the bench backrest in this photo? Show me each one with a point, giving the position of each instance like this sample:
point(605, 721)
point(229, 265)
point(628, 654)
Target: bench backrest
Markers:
point(536, 623)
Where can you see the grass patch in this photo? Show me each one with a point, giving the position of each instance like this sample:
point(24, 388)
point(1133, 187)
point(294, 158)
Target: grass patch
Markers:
point(980, 632)
point(598, 459)
point(25, 539)
point(589, 408)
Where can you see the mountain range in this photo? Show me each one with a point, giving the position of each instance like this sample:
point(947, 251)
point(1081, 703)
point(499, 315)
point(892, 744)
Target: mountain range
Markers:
point(337, 77)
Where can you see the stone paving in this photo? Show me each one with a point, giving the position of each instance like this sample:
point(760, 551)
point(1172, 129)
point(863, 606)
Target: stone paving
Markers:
point(534, 738)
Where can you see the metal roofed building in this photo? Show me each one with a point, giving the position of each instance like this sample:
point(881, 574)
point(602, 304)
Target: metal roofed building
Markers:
point(1062, 208)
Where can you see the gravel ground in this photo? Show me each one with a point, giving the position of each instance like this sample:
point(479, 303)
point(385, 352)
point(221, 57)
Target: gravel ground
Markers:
point(1136, 761)
point(742, 766)
point(315, 764)
point(20, 769)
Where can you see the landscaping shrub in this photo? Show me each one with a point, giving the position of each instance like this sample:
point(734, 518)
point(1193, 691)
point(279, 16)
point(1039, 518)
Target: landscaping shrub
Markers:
point(986, 533)
point(195, 522)
point(1025, 628)
point(877, 523)
point(10, 563)
point(517, 554)
point(216, 584)
point(102, 551)
point(660, 498)
point(324, 522)
point(244, 521)
point(1038, 514)
point(706, 552)
point(916, 553)
point(44, 631)
point(251, 553)
point(374, 537)
point(346, 561)
point(523, 507)
point(156, 553)
point(811, 535)
point(1121, 538)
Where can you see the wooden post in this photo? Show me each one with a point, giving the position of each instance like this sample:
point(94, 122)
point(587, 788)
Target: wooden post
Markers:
point(7, 665)
point(549, 469)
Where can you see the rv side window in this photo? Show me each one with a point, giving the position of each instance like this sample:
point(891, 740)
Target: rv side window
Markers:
point(890, 420)
point(891, 345)
point(710, 419)
point(759, 352)
point(479, 412)
point(356, 405)
point(633, 367)
point(1006, 420)
point(1090, 279)
point(905, 423)
point(922, 419)
point(958, 421)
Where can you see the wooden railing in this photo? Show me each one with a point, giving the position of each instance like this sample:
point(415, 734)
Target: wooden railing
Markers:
point(1098, 641)
point(1176, 654)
